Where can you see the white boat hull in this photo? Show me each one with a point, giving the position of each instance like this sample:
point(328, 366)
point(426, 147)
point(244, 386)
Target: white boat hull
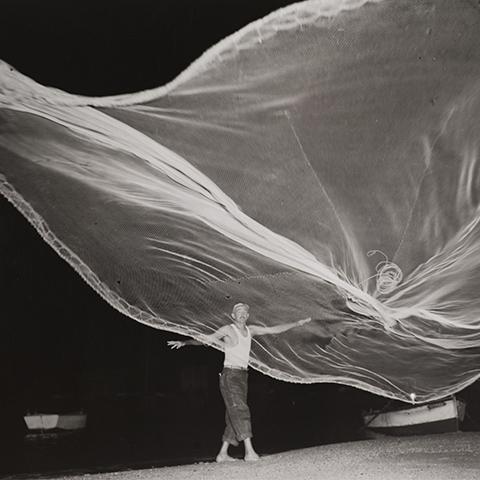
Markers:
point(437, 417)
point(47, 421)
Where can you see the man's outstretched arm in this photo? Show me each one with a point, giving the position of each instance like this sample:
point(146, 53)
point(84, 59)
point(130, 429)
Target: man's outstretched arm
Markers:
point(175, 344)
point(258, 330)
point(216, 338)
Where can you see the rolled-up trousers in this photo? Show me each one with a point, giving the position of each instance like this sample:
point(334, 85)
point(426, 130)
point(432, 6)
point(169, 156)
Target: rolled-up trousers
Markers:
point(234, 389)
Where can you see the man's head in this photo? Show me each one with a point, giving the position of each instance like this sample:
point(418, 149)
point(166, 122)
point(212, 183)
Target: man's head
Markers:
point(240, 312)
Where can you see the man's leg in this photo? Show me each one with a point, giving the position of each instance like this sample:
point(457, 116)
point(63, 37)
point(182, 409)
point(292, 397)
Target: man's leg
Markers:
point(250, 454)
point(235, 392)
point(227, 440)
point(243, 423)
point(223, 455)
point(229, 434)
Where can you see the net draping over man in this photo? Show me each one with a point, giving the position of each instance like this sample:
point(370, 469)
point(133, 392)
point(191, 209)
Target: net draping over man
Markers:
point(321, 162)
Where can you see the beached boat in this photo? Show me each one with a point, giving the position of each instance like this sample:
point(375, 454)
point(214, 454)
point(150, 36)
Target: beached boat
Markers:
point(52, 421)
point(438, 417)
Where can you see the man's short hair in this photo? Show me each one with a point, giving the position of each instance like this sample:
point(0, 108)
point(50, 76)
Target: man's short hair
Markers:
point(240, 305)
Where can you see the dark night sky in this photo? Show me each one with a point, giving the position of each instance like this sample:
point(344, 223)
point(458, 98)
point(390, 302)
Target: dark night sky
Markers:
point(56, 335)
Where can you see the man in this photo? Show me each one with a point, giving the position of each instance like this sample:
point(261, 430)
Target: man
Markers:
point(235, 340)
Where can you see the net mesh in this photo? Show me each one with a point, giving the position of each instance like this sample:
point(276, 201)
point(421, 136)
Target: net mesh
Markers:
point(322, 162)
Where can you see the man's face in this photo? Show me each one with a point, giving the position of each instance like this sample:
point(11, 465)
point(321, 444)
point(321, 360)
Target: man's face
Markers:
point(240, 315)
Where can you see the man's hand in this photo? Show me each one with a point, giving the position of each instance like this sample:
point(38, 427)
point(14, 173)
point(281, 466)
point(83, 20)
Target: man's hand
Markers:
point(175, 344)
point(303, 321)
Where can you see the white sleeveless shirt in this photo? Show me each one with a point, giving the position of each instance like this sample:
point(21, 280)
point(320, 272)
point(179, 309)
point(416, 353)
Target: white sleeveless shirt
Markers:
point(238, 355)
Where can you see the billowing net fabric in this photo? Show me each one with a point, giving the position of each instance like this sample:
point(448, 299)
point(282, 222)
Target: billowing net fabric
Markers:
point(322, 162)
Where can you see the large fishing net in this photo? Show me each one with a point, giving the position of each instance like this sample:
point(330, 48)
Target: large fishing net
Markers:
point(322, 162)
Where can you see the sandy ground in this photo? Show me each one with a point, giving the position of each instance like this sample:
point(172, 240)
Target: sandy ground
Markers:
point(436, 457)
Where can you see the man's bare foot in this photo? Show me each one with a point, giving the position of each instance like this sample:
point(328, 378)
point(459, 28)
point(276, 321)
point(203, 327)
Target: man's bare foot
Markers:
point(224, 457)
point(251, 457)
